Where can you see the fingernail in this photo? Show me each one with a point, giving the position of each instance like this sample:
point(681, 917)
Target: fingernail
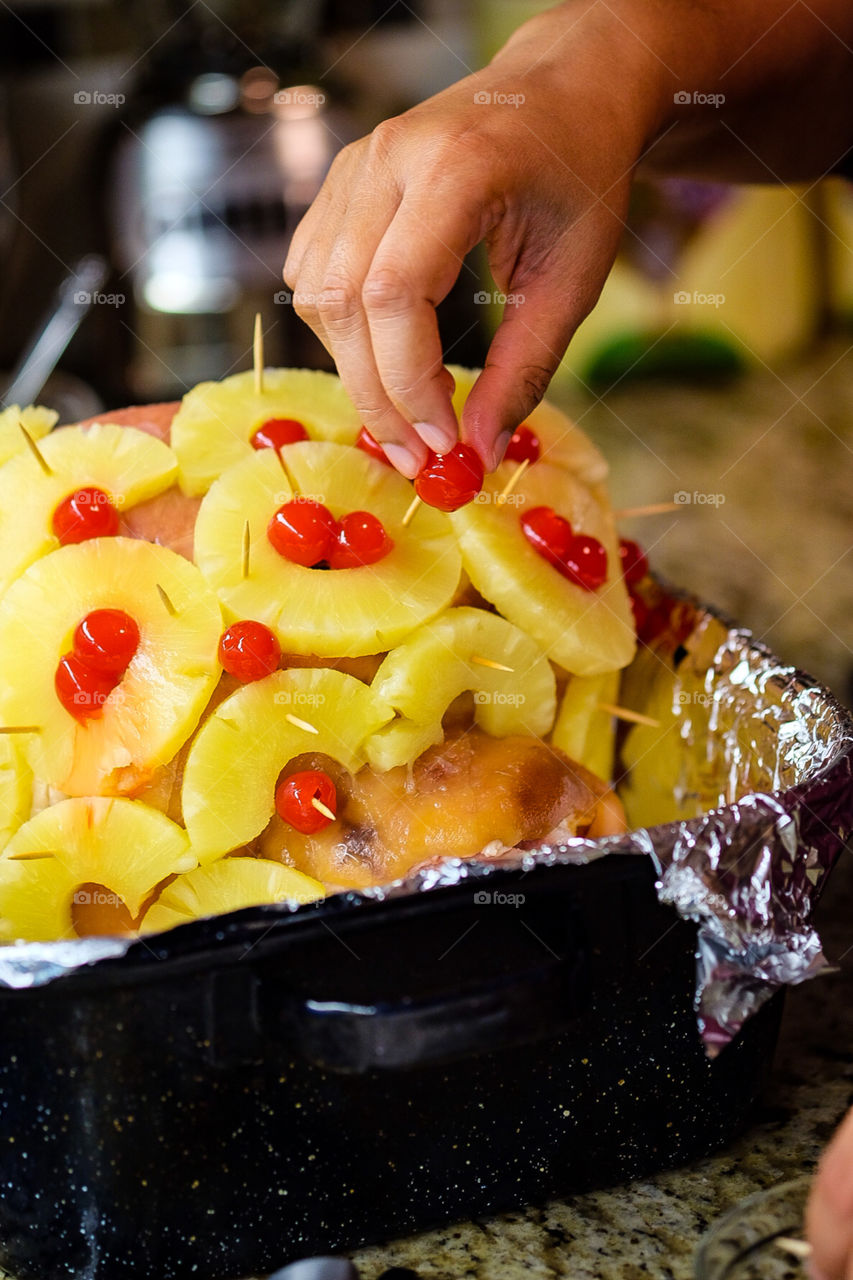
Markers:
point(403, 459)
point(500, 448)
point(439, 439)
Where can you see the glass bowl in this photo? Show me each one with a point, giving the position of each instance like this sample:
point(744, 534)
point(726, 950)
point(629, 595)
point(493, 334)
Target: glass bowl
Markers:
point(758, 1238)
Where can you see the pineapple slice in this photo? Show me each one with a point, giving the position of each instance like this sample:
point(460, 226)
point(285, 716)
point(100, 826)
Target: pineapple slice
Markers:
point(159, 700)
point(34, 418)
point(340, 612)
point(587, 632)
point(400, 742)
point(127, 464)
point(562, 442)
point(233, 765)
point(582, 730)
point(213, 427)
point(120, 846)
point(228, 885)
point(16, 787)
point(422, 676)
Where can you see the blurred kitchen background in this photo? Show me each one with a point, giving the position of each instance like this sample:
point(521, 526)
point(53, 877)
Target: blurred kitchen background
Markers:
point(180, 141)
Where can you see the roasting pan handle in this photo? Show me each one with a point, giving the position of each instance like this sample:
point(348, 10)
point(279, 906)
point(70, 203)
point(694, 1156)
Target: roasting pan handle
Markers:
point(507, 1010)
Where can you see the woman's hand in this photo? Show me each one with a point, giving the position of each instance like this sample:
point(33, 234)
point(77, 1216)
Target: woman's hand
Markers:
point(513, 156)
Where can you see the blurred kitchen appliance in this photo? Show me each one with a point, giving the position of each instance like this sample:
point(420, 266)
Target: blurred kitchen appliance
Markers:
point(206, 194)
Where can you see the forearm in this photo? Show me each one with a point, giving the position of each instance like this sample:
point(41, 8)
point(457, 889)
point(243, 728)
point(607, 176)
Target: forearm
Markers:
point(744, 90)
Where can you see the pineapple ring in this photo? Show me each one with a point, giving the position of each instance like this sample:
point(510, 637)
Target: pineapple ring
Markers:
point(35, 418)
point(167, 685)
point(562, 442)
point(120, 844)
point(228, 885)
point(127, 464)
point(587, 632)
point(422, 676)
point(228, 794)
point(335, 613)
point(212, 429)
point(16, 788)
point(582, 730)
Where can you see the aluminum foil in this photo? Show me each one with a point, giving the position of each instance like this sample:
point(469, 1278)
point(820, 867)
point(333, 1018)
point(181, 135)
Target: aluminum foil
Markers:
point(741, 794)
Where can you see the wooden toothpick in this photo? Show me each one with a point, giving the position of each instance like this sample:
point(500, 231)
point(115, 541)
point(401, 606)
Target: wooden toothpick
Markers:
point(513, 480)
point(35, 451)
point(301, 724)
point(650, 509)
point(487, 662)
point(167, 604)
point(247, 545)
point(413, 506)
point(323, 808)
point(258, 355)
point(20, 728)
point(633, 717)
point(797, 1248)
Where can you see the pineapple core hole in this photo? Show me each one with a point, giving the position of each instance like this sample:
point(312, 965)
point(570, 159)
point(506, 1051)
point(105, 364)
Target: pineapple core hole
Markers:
point(97, 910)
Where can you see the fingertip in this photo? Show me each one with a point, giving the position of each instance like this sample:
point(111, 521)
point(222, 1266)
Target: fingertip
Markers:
point(408, 461)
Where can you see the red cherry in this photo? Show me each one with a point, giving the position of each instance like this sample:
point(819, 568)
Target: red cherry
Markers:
point(550, 534)
point(275, 433)
point(293, 800)
point(586, 562)
point(634, 563)
point(640, 610)
point(449, 480)
point(361, 540)
point(249, 651)
point(370, 446)
point(523, 445)
point(86, 513)
point(303, 531)
point(80, 688)
point(106, 640)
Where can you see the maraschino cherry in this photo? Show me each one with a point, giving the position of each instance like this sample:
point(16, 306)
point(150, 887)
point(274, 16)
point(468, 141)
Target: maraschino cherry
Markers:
point(577, 556)
point(450, 480)
point(371, 447)
point(634, 563)
point(306, 533)
point(361, 539)
point(103, 647)
point(275, 433)
point(293, 799)
point(249, 651)
point(106, 640)
point(86, 513)
point(523, 446)
point(303, 531)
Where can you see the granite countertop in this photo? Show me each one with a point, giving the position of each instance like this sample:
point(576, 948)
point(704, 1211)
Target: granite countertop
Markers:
point(775, 552)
